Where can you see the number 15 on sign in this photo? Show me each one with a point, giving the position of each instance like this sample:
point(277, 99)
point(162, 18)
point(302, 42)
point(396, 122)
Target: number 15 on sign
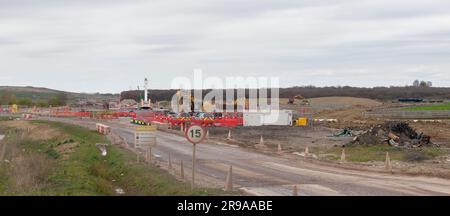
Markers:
point(194, 134)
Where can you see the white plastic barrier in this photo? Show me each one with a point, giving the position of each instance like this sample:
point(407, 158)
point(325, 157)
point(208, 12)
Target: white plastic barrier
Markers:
point(27, 116)
point(103, 129)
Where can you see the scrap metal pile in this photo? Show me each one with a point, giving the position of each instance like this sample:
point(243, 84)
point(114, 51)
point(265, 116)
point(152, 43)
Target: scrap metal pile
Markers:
point(346, 132)
point(398, 134)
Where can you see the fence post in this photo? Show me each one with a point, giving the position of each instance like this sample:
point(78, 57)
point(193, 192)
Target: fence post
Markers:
point(229, 180)
point(182, 170)
point(170, 162)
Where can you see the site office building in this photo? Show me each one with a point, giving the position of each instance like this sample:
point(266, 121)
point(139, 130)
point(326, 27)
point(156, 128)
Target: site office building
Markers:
point(268, 117)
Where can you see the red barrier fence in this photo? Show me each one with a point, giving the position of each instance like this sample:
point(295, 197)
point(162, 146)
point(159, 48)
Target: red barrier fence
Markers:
point(213, 119)
point(146, 118)
point(92, 114)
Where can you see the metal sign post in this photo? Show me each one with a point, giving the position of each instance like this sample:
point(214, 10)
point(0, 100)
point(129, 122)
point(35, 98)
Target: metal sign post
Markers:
point(193, 166)
point(194, 134)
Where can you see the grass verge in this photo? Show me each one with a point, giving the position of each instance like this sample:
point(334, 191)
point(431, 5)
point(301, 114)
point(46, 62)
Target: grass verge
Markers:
point(442, 106)
point(71, 164)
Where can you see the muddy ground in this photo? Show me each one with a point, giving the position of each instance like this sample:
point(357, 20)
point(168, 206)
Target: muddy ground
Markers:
point(352, 118)
point(290, 138)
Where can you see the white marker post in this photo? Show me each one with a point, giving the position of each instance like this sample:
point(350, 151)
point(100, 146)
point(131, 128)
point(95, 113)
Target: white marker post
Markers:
point(194, 134)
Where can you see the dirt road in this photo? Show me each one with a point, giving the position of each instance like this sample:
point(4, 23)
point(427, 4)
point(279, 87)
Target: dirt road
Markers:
point(260, 174)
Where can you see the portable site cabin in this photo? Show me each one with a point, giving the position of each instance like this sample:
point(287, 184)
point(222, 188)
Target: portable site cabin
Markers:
point(277, 117)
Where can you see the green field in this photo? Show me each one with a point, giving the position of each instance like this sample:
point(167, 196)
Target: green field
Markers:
point(68, 163)
point(30, 96)
point(378, 153)
point(443, 106)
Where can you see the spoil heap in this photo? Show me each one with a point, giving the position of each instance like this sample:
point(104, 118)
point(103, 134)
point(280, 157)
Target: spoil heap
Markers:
point(395, 134)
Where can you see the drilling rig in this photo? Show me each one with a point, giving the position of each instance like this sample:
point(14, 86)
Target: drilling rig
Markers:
point(145, 103)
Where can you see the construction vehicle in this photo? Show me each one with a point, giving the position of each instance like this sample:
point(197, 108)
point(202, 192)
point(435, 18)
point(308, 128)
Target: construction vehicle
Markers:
point(301, 122)
point(303, 100)
point(14, 108)
point(241, 101)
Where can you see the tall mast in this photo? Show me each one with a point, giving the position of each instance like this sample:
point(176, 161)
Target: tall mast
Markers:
point(145, 90)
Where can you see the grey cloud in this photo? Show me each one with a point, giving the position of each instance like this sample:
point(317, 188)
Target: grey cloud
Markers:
point(165, 39)
point(239, 8)
point(327, 42)
point(8, 41)
point(385, 9)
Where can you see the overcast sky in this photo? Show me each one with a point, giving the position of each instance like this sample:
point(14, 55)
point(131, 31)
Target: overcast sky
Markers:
point(111, 45)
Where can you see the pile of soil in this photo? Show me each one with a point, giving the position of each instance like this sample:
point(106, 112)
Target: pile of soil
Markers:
point(395, 134)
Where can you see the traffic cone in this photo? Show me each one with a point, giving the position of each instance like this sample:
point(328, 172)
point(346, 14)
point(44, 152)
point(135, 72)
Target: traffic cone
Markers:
point(295, 192)
point(229, 180)
point(343, 155)
point(388, 162)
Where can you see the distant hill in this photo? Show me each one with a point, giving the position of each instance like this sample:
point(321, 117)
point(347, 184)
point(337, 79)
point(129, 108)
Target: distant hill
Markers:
point(37, 94)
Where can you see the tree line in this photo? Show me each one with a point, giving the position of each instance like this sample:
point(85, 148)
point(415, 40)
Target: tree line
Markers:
point(378, 93)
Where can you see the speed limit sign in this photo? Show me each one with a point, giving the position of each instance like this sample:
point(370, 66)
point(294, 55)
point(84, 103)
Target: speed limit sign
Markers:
point(195, 134)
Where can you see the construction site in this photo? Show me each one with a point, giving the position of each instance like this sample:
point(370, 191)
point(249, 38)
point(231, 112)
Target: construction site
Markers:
point(233, 100)
point(316, 146)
